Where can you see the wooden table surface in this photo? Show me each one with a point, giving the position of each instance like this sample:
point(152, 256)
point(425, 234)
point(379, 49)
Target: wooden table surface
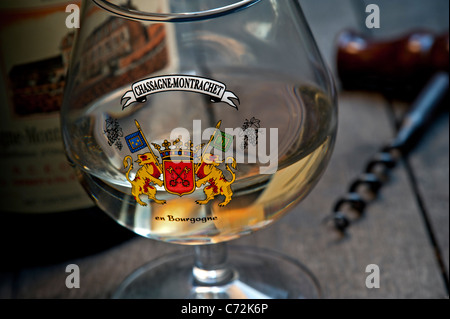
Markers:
point(405, 231)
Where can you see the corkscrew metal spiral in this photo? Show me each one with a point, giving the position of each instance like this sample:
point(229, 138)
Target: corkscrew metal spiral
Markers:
point(366, 187)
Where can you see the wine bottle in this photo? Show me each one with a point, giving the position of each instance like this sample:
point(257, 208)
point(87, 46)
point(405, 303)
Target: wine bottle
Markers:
point(43, 205)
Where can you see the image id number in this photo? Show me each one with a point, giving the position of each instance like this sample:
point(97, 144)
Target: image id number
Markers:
point(246, 308)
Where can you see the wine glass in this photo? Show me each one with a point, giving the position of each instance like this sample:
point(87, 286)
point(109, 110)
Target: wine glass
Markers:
point(195, 123)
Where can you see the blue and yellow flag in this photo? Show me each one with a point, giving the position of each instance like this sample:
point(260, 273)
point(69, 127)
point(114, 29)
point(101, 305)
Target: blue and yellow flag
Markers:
point(136, 142)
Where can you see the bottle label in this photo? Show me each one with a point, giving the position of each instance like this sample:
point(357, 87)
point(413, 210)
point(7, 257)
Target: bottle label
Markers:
point(36, 44)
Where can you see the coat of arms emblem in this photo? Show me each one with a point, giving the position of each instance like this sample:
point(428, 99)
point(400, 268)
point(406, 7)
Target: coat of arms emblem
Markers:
point(183, 169)
point(178, 167)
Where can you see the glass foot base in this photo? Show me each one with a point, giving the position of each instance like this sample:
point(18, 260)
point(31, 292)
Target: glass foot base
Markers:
point(257, 274)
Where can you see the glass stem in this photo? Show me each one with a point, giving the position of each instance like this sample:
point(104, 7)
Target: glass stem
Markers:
point(211, 268)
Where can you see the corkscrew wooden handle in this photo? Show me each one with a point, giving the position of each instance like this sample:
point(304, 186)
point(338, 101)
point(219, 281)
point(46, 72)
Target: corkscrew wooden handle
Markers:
point(410, 60)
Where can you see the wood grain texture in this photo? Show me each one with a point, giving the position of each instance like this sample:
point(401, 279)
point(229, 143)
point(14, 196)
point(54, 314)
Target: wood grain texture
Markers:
point(430, 163)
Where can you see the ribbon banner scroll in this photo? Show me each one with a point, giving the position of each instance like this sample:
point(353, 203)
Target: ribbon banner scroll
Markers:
point(141, 89)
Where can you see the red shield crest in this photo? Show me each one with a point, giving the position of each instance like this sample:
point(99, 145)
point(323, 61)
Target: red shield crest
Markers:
point(179, 175)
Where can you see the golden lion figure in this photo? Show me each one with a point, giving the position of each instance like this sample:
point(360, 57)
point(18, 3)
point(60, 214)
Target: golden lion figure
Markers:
point(148, 174)
point(208, 172)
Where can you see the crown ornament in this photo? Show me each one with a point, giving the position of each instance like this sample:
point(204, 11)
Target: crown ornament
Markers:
point(175, 150)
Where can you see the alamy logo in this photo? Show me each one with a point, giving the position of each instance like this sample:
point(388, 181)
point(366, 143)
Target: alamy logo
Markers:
point(73, 279)
point(73, 19)
point(373, 19)
point(373, 279)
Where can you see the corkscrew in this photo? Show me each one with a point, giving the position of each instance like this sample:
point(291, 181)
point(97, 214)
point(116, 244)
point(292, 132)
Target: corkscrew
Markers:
point(367, 186)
